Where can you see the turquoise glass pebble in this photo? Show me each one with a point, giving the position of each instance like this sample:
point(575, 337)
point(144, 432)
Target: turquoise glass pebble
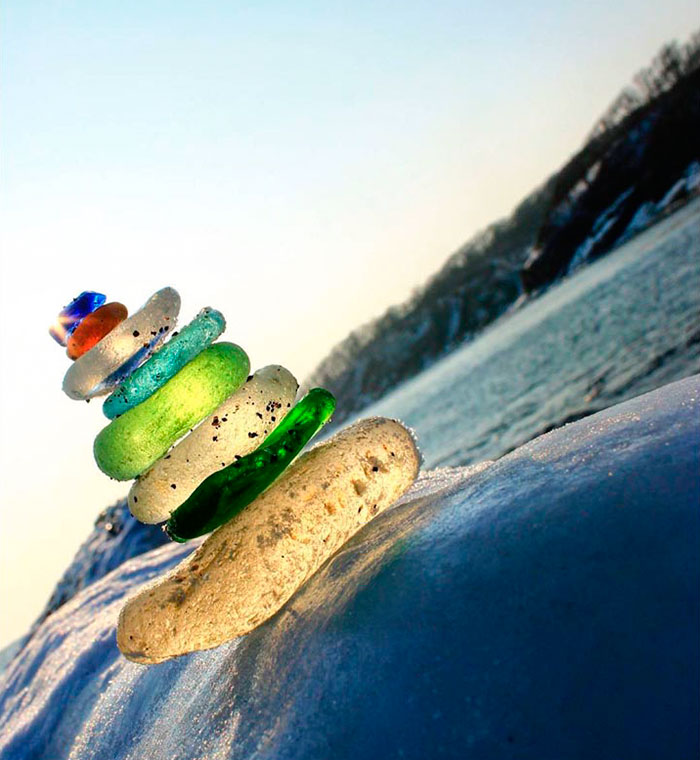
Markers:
point(203, 330)
point(225, 493)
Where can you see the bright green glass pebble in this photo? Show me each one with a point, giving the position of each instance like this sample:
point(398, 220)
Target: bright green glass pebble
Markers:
point(203, 330)
point(225, 493)
point(133, 442)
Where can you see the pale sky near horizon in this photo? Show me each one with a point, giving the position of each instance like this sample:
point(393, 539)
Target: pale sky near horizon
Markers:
point(299, 166)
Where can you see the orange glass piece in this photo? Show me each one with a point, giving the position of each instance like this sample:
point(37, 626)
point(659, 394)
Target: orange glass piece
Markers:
point(94, 327)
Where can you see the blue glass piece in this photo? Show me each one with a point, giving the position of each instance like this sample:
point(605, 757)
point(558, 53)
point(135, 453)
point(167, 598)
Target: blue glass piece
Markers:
point(203, 330)
point(72, 315)
point(84, 304)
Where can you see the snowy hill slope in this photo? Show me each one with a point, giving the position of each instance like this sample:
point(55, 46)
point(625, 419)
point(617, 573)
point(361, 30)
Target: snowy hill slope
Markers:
point(545, 605)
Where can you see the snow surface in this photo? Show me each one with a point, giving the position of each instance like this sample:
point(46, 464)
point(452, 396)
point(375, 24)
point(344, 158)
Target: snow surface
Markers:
point(599, 229)
point(116, 537)
point(541, 606)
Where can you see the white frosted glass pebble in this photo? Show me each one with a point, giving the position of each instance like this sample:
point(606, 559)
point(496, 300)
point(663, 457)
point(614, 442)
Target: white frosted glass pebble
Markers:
point(248, 568)
point(235, 428)
point(97, 371)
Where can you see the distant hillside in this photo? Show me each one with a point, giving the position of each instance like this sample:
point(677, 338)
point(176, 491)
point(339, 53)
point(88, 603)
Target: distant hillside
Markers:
point(641, 159)
point(553, 227)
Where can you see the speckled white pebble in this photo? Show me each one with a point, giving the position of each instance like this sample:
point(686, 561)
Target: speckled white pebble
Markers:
point(153, 321)
point(234, 429)
point(247, 569)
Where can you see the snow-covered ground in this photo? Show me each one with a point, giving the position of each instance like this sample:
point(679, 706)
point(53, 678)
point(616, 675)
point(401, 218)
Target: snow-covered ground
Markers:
point(541, 606)
point(687, 184)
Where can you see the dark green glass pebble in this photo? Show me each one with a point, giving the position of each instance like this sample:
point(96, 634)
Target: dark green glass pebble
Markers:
point(225, 493)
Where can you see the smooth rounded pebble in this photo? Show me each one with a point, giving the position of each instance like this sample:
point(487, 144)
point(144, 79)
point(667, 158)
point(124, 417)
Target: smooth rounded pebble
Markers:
point(94, 327)
point(98, 370)
point(201, 332)
point(234, 429)
point(133, 442)
point(247, 569)
point(230, 490)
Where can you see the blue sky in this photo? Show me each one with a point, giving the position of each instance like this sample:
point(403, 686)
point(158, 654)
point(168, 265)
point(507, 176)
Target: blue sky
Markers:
point(300, 166)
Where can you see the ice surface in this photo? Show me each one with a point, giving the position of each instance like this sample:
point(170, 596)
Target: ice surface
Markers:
point(543, 606)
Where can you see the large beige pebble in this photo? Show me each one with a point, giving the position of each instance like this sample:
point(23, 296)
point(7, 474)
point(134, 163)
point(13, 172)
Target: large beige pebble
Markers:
point(247, 569)
point(234, 429)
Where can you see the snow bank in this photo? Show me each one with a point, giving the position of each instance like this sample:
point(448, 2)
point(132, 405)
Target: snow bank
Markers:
point(541, 606)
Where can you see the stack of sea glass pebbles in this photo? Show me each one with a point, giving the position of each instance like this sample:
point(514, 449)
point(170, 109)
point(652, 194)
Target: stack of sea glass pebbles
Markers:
point(212, 448)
